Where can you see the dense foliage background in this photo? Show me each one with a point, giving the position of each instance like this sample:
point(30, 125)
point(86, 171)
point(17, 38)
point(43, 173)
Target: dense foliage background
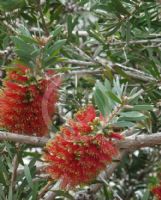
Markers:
point(93, 44)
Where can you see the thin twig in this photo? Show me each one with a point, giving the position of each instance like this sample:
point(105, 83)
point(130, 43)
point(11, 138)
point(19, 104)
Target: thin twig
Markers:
point(10, 27)
point(44, 190)
point(50, 195)
point(133, 42)
point(155, 38)
point(79, 62)
point(83, 72)
point(133, 73)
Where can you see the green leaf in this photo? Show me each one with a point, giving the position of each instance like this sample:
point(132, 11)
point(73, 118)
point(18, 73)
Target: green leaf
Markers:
point(142, 107)
point(118, 88)
point(26, 51)
point(136, 94)
point(146, 195)
point(28, 175)
point(69, 25)
point(56, 32)
point(28, 39)
point(97, 36)
point(58, 44)
point(131, 114)
point(112, 30)
point(124, 124)
point(10, 195)
point(153, 180)
point(128, 31)
point(2, 193)
point(4, 177)
point(114, 97)
point(121, 72)
point(107, 192)
point(35, 190)
point(100, 101)
point(107, 85)
point(117, 4)
point(9, 5)
point(24, 31)
point(107, 97)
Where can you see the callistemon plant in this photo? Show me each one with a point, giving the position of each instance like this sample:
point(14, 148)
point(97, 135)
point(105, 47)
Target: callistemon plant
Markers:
point(27, 102)
point(80, 151)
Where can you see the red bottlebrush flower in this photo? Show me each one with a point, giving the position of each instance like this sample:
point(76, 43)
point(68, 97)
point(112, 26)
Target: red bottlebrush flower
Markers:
point(78, 155)
point(116, 136)
point(26, 107)
point(86, 115)
point(76, 160)
point(80, 126)
point(83, 120)
point(157, 191)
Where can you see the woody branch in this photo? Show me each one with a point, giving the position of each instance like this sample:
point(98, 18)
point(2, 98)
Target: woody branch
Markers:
point(130, 142)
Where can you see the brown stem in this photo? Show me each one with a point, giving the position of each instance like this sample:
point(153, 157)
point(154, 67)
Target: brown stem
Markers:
point(132, 142)
point(133, 73)
point(23, 139)
point(44, 190)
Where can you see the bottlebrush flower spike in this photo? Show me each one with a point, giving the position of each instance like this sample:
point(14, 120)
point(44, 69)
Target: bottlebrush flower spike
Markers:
point(22, 102)
point(157, 191)
point(76, 160)
point(76, 156)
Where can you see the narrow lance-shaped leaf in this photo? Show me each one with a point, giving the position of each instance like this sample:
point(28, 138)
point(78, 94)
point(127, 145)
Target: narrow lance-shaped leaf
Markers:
point(28, 175)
